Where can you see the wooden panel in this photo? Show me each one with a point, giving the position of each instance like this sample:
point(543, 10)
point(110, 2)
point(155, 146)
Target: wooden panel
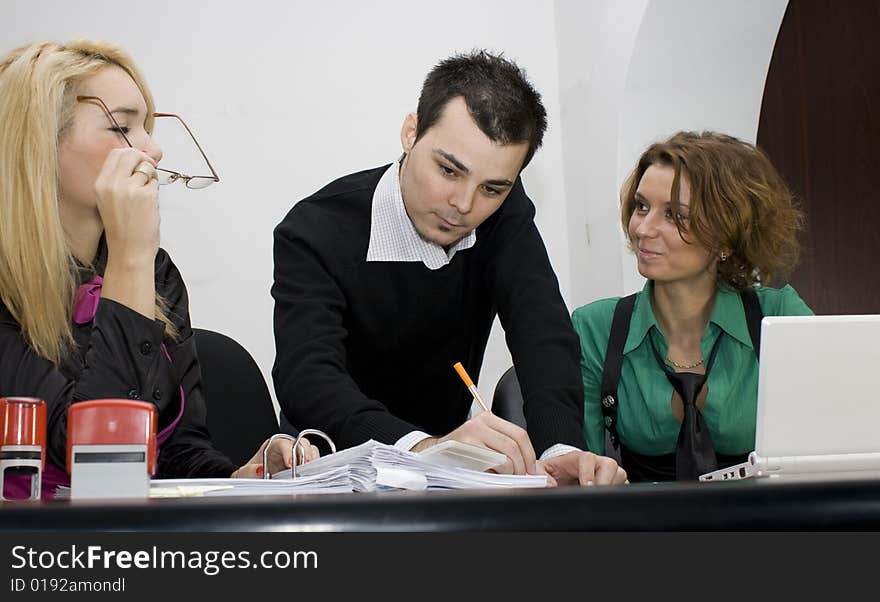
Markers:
point(819, 124)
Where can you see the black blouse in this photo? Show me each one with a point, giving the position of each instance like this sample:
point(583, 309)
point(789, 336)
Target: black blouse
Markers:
point(120, 355)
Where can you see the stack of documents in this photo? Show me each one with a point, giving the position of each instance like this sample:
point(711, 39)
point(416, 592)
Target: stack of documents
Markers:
point(371, 466)
point(376, 466)
point(441, 476)
point(356, 461)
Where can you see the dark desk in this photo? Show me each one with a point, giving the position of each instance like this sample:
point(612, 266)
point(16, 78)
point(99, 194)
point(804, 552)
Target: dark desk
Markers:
point(743, 505)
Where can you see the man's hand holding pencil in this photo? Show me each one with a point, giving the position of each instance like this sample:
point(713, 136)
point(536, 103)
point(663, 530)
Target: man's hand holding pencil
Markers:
point(489, 431)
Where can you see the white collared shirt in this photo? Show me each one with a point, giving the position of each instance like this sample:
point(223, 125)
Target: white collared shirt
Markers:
point(394, 238)
point(392, 234)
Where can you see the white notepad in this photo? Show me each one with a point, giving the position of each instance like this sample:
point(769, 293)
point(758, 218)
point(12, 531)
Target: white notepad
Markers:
point(463, 455)
point(335, 480)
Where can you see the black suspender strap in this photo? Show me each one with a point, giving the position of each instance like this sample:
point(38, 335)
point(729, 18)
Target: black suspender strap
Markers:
point(613, 363)
point(616, 341)
point(753, 318)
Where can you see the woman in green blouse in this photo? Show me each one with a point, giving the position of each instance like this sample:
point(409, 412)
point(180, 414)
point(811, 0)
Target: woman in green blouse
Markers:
point(711, 222)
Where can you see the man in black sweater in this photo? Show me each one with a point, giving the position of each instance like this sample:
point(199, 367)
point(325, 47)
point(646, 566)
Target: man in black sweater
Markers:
point(385, 278)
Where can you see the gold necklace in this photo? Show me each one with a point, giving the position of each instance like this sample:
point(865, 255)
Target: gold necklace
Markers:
point(683, 366)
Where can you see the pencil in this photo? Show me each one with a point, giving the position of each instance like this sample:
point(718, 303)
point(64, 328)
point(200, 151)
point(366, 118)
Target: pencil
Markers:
point(470, 385)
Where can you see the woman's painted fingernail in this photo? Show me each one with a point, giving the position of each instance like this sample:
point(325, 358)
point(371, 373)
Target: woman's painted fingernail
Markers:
point(260, 471)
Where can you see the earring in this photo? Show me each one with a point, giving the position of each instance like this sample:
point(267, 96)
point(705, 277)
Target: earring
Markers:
point(723, 256)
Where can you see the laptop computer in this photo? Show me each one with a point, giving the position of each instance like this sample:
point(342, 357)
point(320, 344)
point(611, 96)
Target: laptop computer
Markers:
point(818, 400)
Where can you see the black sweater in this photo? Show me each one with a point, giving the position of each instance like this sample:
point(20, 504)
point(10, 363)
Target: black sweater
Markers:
point(120, 356)
point(365, 350)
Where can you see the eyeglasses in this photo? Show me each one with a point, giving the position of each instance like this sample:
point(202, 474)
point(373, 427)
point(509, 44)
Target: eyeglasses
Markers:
point(165, 176)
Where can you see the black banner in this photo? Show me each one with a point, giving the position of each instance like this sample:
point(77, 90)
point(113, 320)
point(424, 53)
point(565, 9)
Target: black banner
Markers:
point(407, 566)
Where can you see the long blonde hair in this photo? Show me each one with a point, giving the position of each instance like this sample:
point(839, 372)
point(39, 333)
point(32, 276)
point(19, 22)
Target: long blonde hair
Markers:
point(38, 88)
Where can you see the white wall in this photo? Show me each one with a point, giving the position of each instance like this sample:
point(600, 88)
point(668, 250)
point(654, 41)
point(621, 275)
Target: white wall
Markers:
point(287, 95)
point(635, 72)
point(595, 44)
point(696, 65)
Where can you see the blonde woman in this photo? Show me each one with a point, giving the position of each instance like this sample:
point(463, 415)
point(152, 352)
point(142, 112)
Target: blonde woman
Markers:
point(91, 306)
point(672, 371)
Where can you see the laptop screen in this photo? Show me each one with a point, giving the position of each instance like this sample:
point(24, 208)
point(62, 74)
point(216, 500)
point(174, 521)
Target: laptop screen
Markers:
point(818, 385)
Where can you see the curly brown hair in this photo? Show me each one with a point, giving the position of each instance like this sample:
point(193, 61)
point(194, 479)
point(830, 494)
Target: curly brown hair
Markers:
point(739, 204)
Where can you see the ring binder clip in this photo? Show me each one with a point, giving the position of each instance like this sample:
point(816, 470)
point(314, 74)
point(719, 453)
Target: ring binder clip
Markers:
point(297, 441)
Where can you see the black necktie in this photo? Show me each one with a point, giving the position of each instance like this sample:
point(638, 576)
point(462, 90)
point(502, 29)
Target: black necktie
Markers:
point(694, 453)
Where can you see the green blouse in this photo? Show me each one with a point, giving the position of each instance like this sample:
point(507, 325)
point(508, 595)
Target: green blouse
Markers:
point(645, 422)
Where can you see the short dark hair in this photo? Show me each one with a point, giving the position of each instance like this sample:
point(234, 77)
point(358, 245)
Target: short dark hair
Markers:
point(498, 95)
